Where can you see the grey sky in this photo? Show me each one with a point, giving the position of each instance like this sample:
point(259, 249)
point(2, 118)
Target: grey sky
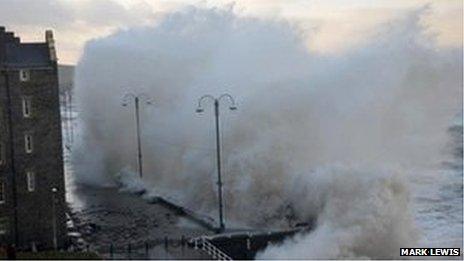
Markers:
point(339, 24)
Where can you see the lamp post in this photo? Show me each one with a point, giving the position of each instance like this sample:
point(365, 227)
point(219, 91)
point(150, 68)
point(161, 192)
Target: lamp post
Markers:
point(129, 97)
point(218, 145)
point(55, 241)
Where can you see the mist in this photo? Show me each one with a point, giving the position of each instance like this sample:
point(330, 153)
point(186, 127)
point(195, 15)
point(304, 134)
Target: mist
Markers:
point(325, 137)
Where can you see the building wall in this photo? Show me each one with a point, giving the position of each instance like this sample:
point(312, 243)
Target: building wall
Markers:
point(35, 208)
point(6, 208)
point(6, 173)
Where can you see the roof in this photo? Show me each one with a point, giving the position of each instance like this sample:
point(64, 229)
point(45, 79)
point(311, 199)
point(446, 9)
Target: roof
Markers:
point(27, 54)
point(15, 54)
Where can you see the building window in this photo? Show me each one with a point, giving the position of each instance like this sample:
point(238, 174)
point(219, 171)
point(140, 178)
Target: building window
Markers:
point(3, 226)
point(30, 181)
point(27, 107)
point(24, 75)
point(2, 191)
point(2, 153)
point(28, 143)
point(2, 119)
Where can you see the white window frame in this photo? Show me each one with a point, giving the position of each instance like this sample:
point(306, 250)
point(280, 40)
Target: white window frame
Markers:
point(28, 143)
point(3, 225)
point(27, 106)
point(24, 75)
point(31, 181)
point(2, 191)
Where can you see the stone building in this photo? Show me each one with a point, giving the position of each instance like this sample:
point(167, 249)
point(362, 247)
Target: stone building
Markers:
point(32, 196)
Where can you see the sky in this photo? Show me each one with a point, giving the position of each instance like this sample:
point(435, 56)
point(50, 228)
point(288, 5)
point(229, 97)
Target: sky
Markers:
point(334, 25)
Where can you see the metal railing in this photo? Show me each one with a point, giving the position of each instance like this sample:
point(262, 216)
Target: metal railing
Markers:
point(210, 249)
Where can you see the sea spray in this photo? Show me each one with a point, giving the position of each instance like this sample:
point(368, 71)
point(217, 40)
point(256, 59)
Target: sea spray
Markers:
point(130, 181)
point(322, 137)
point(363, 215)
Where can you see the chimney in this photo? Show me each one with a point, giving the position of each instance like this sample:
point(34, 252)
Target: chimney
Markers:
point(9, 37)
point(51, 45)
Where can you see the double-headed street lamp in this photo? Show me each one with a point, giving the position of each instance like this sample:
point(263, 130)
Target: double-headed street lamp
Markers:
point(218, 144)
point(137, 98)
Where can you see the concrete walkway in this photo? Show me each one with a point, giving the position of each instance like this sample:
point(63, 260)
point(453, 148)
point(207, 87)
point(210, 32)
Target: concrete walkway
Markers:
point(122, 225)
